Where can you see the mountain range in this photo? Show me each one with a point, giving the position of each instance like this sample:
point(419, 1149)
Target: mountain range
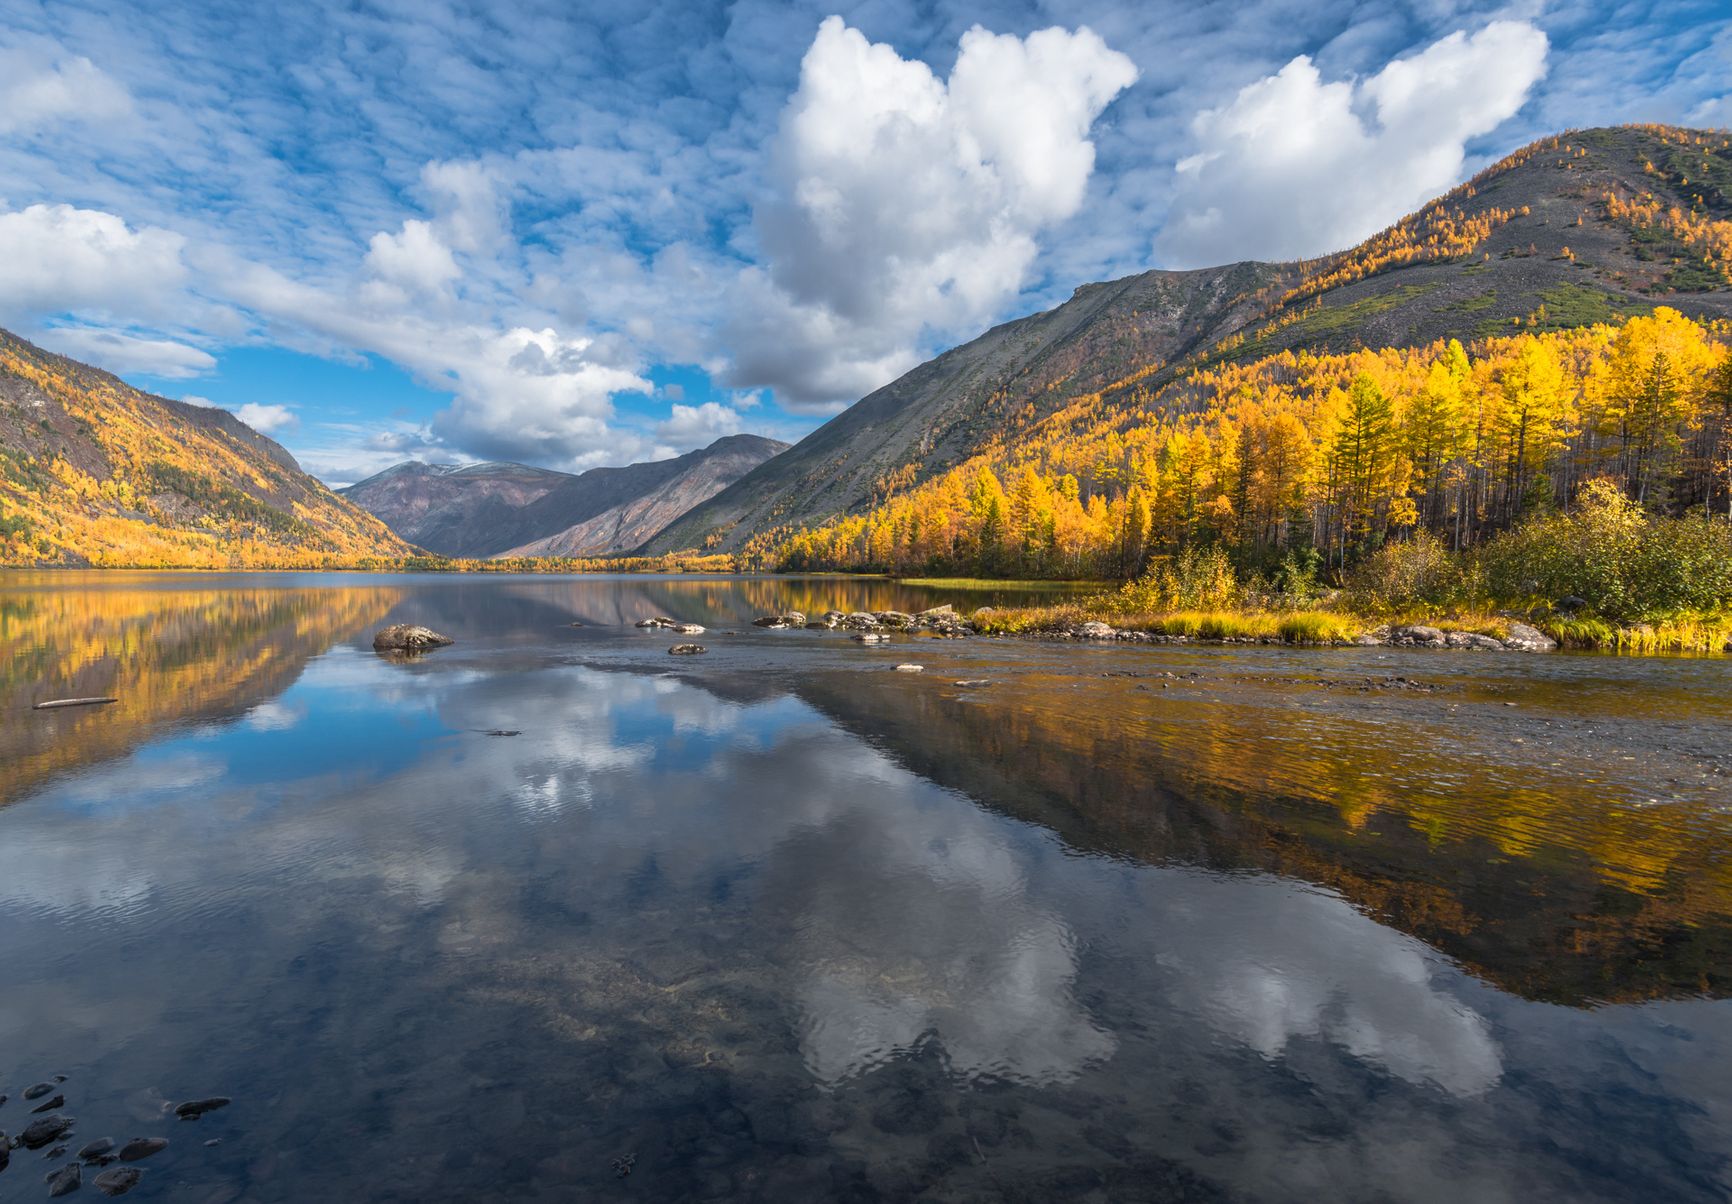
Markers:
point(1589, 226)
point(493, 509)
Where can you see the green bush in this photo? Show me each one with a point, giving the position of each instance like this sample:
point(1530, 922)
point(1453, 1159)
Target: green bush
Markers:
point(1407, 575)
point(1625, 564)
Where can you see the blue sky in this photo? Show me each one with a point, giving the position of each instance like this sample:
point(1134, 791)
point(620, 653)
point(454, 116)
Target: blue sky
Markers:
point(576, 234)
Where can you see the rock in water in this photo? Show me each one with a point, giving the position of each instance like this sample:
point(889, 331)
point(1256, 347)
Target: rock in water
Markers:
point(5, 1151)
point(58, 1101)
point(38, 1091)
point(1094, 629)
point(96, 1149)
point(45, 1132)
point(140, 1148)
point(65, 1181)
point(686, 650)
point(409, 637)
point(118, 1181)
point(193, 1109)
point(1523, 638)
point(910, 668)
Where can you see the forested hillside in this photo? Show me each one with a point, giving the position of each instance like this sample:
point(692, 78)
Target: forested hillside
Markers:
point(1151, 386)
point(95, 472)
point(1332, 452)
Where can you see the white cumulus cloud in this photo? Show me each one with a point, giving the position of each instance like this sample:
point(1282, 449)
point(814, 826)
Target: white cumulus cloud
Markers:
point(698, 426)
point(1297, 166)
point(904, 204)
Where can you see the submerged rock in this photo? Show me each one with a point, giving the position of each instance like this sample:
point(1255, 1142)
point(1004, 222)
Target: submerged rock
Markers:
point(58, 1101)
point(686, 650)
point(38, 1091)
point(140, 1148)
point(96, 1149)
point(193, 1109)
point(409, 637)
point(118, 1181)
point(1523, 638)
point(46, 1131)
point(64, 1181)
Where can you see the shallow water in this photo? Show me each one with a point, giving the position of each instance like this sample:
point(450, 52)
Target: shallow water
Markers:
point(781, 923)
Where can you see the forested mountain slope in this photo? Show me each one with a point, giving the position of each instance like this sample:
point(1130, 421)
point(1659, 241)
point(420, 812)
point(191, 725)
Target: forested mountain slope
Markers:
point(96, 472)
point(1590, 226)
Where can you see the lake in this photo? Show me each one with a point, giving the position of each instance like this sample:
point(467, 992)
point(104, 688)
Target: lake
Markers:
point(781, 923)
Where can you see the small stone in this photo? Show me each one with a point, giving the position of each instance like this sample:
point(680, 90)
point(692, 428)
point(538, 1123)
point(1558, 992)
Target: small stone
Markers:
point(140, 1148)
point(58, 1151)
point(193, 1109)
point(871, 637)
point(687, 629)
point(492, 731)
point(64, 1181)
point(118, 1181)
point(58, 1101)
point(46, 1131)
point(686, 650)
point(96, 1149)
point(972, 683)
point(38, 1091)
point(910, 668)
point(215, 1141)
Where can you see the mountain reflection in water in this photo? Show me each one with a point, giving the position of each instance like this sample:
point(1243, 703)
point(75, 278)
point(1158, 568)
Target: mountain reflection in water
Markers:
point(785, 924)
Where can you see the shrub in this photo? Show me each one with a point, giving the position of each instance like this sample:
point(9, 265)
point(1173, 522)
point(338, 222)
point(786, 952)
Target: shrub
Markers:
point(1402, 576)
point(1625, 564)
point(1199, 579)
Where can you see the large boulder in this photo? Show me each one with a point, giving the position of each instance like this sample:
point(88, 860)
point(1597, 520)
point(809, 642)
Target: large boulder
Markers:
point(899, 620)
point(1418, 636)
point(860, 621)
point(409, 637)
point(1094, 629)
point(1523, 638)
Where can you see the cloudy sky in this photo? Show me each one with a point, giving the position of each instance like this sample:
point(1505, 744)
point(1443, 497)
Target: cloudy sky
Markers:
point(576, 234)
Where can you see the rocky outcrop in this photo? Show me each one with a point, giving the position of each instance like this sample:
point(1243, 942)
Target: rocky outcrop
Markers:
point(791, 618)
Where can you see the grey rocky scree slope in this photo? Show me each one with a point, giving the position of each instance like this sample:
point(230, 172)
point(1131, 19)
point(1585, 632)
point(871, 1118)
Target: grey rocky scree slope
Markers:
point(1555, 257)
point(484, 510)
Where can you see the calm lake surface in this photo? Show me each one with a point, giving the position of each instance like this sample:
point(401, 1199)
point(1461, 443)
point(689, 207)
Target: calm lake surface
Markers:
point(781, 923)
